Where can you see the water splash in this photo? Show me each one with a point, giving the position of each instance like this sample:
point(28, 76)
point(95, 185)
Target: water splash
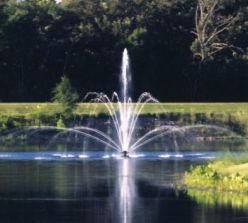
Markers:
point(124, 114)
point(125, 70)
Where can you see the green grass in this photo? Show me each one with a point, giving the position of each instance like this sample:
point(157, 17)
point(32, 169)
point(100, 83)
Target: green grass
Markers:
point(231, 165)
point(224, 182)
point(227, 175)
point(19, 109)
point(240, 109)
point(241, 169)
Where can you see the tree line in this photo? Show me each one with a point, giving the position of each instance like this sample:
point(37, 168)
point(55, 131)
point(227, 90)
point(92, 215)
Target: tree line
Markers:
point(180, 50)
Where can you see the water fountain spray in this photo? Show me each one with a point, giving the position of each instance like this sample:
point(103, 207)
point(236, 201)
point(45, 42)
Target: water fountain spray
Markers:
point(124, 114)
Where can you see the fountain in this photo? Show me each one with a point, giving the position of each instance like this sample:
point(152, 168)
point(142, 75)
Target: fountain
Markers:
point(124, 114)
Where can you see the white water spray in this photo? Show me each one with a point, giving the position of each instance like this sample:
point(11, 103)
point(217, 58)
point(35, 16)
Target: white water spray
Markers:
point(125, 106)
point(125, 67)
point(124, 114)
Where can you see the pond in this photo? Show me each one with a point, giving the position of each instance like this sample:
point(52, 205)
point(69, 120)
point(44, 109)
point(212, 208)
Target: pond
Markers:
point(72, 186)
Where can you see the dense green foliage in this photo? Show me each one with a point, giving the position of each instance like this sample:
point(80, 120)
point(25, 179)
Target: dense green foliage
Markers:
point(41, 40)
point(219, 176)
point(65, 96)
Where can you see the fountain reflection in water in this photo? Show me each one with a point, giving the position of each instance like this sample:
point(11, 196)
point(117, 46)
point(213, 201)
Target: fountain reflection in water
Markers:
point(126, 189)
point(124, 114)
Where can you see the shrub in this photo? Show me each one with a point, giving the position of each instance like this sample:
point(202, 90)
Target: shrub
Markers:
point(60, 123)
point(208, 177)
point(66, 96)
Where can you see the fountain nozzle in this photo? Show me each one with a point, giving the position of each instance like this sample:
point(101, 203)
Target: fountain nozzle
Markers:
point(125, 154)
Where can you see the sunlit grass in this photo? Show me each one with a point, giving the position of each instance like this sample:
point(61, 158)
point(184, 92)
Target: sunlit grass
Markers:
point(229, 174)
point(233, 116)
point(240, 109)
point(232, 164)
point(223, 182)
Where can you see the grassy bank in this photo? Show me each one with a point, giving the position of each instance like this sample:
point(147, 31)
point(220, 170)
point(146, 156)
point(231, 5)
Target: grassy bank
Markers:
point(226, 175)
point(239, 109)
point(231, 115)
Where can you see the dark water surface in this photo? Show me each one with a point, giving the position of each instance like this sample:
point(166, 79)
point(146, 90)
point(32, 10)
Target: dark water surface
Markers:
point(70, 187)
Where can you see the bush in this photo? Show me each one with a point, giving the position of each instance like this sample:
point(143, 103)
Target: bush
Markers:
point(60, 123)
point(66, 96)
point(207, 177)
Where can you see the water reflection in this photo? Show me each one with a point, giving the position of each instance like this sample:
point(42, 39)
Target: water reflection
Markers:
point(216, 199)
point(127, 189)
point(107, 190)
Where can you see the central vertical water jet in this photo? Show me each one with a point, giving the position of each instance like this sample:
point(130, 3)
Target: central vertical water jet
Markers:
point(124, 117)
point(125, 69)
point(124, 114)
point(124, 104)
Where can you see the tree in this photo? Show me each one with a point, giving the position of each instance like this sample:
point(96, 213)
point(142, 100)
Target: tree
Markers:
point(66, 96)
point(209, 25)
point(87, 36)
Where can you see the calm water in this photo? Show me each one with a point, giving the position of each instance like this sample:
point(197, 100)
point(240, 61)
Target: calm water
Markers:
point(50, 187)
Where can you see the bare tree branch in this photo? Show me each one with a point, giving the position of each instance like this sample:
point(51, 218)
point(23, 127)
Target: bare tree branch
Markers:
point(208, 27)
